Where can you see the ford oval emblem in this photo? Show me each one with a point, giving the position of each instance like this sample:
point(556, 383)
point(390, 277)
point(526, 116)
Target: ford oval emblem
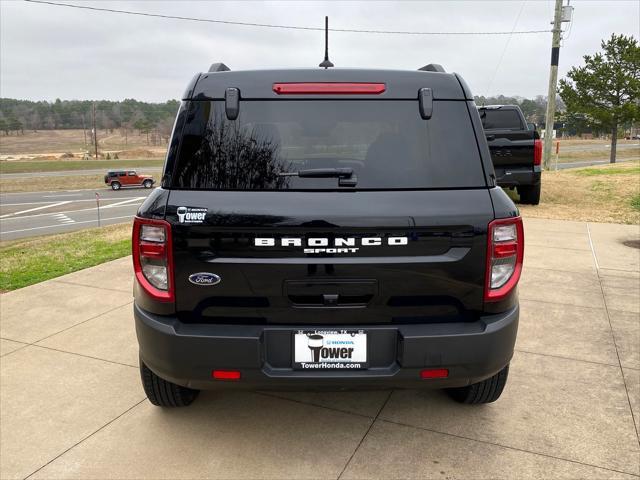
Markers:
point(204, 278)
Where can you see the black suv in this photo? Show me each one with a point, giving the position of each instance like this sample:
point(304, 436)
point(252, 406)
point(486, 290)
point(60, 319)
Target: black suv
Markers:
point(327, 229)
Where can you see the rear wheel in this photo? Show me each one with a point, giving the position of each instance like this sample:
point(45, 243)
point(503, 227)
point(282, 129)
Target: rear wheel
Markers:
point(163, 393)
point(530, 194)
point(487, 391)
point(147, 184)
point(115, 185)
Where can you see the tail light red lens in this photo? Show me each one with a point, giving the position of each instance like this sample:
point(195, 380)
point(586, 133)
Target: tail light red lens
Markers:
point(537, 152)
point(505, 253)
point(153, 258)
point(333, 88)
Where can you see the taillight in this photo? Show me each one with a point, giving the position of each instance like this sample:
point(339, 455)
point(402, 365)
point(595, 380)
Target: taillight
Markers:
point(505, 252)
point(537, 151)
point(332, 88)
point(153, 257)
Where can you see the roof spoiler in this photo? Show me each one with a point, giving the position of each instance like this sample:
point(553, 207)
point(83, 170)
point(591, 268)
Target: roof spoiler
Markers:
point(219, 67)
point(433, 67)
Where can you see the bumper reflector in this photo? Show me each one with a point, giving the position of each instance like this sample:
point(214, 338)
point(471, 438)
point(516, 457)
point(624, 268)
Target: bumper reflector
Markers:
point(226, 374)
point(434, 373)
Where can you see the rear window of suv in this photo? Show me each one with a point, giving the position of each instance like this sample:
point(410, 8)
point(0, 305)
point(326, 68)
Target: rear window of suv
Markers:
point(387, 144)
point(497, 119)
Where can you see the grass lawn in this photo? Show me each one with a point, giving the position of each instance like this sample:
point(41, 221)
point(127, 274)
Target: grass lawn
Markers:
point(605, 193)
point(43, 184)
point(59, 165)
point(33, 260)
point(603, 154)
point(67, 182)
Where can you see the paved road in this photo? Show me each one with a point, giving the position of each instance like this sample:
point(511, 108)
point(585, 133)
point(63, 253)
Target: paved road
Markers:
point(72, 173)
point(586, 163)
point(42, 213)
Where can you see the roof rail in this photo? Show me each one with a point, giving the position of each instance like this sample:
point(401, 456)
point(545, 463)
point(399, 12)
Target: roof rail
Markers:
point(433, 67)
point(218, 67)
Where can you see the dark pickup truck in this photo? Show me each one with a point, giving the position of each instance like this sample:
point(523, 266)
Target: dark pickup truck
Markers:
point(516, 150)
point(327, 229)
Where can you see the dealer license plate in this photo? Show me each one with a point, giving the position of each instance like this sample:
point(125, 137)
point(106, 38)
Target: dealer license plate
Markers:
point(330, 349)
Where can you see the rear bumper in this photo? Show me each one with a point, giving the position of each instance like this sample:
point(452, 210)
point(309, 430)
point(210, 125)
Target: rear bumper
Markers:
point(516, 176)
point(186, 354)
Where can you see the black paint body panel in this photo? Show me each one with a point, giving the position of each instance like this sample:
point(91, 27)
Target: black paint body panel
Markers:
point(258, 84)
point(438, 274)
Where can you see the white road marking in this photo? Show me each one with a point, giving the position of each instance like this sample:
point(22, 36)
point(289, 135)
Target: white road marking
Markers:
point(62, 218)
point(36, 208)
point(64, 195)
point(123, 202)
point(48, 201)
point(58, 225)
point(93, 209)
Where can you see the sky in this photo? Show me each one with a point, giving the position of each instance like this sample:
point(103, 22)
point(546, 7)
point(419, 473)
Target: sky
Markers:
point(49, 52)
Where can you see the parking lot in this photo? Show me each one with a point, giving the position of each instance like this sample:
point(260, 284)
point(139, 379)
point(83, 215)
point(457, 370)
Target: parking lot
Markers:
point(72, 405)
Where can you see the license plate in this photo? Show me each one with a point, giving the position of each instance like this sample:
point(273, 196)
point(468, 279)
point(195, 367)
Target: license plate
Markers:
point(330, 349)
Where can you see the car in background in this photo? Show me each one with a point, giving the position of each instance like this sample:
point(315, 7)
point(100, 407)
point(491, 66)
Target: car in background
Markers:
point(516, 150)
point(117, 179)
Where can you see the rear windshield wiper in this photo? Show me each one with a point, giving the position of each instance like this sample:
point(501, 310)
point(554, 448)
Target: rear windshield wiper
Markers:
point(346, 177)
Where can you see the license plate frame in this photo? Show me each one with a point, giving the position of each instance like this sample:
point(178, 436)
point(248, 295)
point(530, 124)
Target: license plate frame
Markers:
point(330, 349)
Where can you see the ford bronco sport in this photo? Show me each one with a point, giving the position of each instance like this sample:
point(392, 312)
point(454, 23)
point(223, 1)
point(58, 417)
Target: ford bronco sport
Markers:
point(327, 229)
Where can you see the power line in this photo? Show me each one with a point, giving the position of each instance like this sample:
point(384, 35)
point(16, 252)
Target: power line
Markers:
point(267, 25)
point(506, 45)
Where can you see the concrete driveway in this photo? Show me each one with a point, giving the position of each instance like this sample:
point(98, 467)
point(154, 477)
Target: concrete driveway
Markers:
point(72, 405)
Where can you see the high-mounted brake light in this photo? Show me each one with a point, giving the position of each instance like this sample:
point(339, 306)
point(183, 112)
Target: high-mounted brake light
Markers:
point(153, 258)
point(333, 88)
point(537, 152)
point(505, 253)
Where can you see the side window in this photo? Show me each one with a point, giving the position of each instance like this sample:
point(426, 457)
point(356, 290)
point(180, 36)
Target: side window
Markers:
point(132, 174)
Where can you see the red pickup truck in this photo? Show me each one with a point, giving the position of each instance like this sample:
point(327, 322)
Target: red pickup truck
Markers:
point(117, 179)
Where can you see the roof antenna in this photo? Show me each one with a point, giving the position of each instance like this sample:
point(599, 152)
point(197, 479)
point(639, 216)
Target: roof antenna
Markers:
point(326, 63)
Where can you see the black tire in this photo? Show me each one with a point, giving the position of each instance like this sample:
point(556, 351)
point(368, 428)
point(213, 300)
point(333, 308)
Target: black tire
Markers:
point(163, 393)
point(115, 185)
point(530, 194)
point(147, 184)
point(487, 391)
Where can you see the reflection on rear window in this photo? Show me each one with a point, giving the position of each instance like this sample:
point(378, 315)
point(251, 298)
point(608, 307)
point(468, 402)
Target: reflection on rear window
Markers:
point(386, 144)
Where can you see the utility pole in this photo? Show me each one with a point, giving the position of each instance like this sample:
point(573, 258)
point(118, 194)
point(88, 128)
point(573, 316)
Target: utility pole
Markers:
point(553, 84)
point(84, 131)
point(95, 130)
